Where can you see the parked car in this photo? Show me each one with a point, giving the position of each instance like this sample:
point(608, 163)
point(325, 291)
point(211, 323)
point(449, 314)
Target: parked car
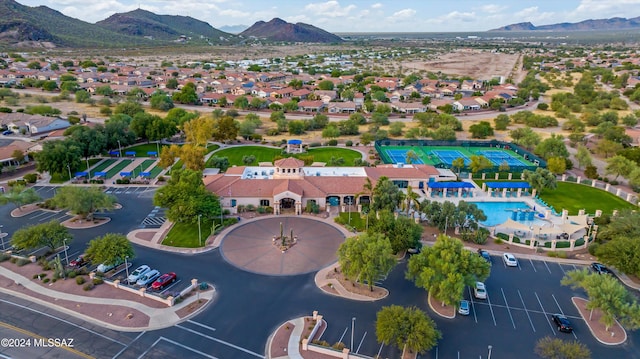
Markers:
point(148, 278)
point(563, 324)
point(7, 132)
point(164, 280)
point(484, 254)
point(480, 291)
point(600, 268)
point(105, 267)
point(79, 262)
point(464, 307)
point(139, 272)
point(510, 260)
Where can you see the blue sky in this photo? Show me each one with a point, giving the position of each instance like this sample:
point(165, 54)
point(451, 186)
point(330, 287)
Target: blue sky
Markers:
point(361, 15)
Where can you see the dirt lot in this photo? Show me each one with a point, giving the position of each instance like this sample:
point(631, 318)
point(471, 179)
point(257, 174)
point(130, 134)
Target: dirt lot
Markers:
point(466, 62)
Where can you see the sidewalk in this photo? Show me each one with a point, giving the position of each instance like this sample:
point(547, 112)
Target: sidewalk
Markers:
point(158, 318)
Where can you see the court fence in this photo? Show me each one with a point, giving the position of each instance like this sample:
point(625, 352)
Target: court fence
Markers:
point(535, 160)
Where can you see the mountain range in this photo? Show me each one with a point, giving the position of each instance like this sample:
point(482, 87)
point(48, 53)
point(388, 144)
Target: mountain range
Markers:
point(616, 23)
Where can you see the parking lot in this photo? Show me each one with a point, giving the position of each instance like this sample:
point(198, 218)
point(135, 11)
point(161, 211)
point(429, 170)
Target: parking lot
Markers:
point(517, 313)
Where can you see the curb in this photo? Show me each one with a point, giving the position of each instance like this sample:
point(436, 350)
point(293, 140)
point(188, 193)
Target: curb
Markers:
point(320, 277)
point(591, 329)
point(437, 312)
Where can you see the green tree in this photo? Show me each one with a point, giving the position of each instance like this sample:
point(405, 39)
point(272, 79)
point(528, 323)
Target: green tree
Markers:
point(481, 130)
point(540, 179)
point(458, 164)
point(130, 108)
point(241, 102)
point(619, 166)
point(186, 95)
point(51, 234)
point(402, 232)
point(325, 85)
point(557, 165)
point(583, 156)
point(90, 141)
point(111, 248)
point(525, 137)
point(225, 128)
point(386, 195)
point(366, 258)
point(83, 96)
point(552, 147)
point(445, 268)
point(84, 201)
point(161, 101)
point(19, 196)
point(406, 329)
point(199, 130)
point(501, 122)
point(186, 197)
point(553, 348)
point(192, 156)
point(479, 163)
point(607, 148)
point(444, 133)
point(58, 157)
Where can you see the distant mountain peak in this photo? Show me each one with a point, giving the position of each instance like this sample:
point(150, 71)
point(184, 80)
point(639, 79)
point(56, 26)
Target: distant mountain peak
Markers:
point(279, 30)
point(614, 23)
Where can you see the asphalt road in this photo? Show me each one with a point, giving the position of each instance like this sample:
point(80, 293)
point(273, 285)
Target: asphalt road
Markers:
point(249, 307)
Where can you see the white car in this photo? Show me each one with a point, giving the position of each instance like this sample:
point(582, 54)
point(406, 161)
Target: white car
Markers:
point(480, 291)
point(148, 278)
point(510, 260)
point(104, 267)
point(136, 274)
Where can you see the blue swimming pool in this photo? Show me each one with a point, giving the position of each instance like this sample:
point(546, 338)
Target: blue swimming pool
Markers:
point(499, 212)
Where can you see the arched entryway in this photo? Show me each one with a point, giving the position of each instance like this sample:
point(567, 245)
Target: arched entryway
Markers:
point(288, 203)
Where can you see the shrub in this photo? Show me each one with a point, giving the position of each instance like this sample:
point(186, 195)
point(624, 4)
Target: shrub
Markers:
point(13, 259)
point(46, 280)
point(31, 177)
point(332, 142)
point(80, 280)
point(87, 287)
point(97, 281)
point(349, 143)
point(338, 346)
point(161, 179)
point(72, 274)
point(22, 261)
point(593, 248)
point(4, 257)
point(54, 280)
point(497, 241)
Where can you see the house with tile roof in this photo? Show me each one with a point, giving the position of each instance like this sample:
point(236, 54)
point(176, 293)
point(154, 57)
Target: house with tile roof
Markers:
point(289, 186)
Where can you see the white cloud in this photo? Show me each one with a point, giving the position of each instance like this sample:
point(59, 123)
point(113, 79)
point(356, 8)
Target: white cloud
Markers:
point(402, 15)
point(492, 8)
point(376, 5)
point(329, 9)
point(597, 9)
point(297, 18)
point(234, 13)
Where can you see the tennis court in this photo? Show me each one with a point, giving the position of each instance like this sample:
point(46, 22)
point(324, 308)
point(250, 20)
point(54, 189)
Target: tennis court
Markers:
point(497, 157)
point(399, 155)
point(442, 154)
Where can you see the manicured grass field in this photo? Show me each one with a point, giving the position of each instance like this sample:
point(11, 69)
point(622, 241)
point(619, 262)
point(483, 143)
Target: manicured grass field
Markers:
point(186, 234)
point(573, 197)
point(142, 149)
point(155, 171)
point(267, 154)
point(118, 167)
point(357, 222)
point(63, 177)
point(146, 164)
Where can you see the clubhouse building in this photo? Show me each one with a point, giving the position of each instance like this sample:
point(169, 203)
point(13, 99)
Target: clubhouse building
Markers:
point(288, 186)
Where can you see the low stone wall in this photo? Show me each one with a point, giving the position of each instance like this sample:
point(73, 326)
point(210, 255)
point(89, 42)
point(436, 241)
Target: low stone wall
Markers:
point(169, 301)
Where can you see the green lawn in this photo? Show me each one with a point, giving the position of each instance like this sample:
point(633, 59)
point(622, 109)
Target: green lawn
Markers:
point(142, 149)
point(186, 235)
point(267, 154)
point(63, 177)
point(573, 197)
point(357, 222)
point(146, 164)
point(118, 167)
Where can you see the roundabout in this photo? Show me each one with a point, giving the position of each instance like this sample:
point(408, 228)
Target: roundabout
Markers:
point(256, 247)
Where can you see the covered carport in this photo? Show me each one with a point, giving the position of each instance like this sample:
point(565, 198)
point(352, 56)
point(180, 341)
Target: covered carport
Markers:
point(507, 189)
point(450, 189)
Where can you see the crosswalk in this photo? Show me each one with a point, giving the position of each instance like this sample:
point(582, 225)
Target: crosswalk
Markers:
point(154, 219)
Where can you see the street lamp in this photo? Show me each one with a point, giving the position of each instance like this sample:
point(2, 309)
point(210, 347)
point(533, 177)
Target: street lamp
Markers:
point(2, 236)
point(88, 170)
point(119, 149)
point(489, 355)
point(199, 230)
point(69, 169)
point(66, 257)
point(353, 322)
point(126, 266)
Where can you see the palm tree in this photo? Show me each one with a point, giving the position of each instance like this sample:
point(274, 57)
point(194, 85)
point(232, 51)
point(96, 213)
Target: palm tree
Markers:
point(409, 198)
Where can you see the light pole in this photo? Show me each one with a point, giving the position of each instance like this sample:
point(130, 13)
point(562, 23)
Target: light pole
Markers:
point(446, 224)
point(489, 355)
point(221, 210)
point(199, 230)
point(349, 211)
point(126, 266)
point(119, 149)
point(353, 323)
point(66, 257)
point(88, 170)
point(69, 169)
point(158, 148)
point(2, 236)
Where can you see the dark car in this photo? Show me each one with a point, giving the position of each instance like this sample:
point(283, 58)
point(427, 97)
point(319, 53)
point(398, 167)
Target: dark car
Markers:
point(79, 262)
point(163, 281)
point(7, 132)
point(600, 269)
point(562, 323)
point(484, 254)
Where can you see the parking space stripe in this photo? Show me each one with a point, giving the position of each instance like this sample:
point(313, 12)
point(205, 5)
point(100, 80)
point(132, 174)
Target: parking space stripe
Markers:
point(561, 312)
point(201, 325)
point(473, 308)
point(546, 265)
point(343, 333)
point(534, 267)
point(128, 345)
point(361, 340)
point(526, 311)
point(491, 309)
point(562, 269)
point(545, 313)
point(508, 310)
point(176, 344)
point(380, 350)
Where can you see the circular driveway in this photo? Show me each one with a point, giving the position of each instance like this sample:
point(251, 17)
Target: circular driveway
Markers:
point(250, 246)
